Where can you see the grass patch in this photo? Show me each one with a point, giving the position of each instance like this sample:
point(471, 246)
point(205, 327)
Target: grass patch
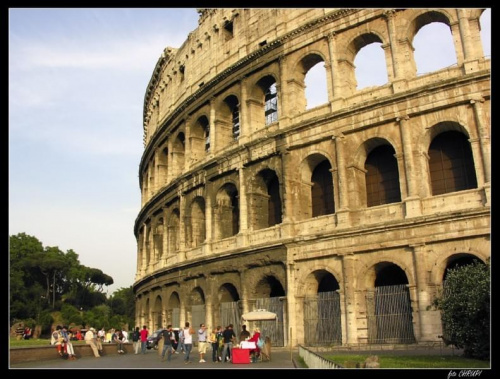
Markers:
point(414, 361)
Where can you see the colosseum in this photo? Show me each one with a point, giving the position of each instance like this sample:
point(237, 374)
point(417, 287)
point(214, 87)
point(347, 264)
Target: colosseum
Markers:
point(341, 218)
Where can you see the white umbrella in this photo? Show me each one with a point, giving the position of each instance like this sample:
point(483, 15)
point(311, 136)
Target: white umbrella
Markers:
point(259, 315)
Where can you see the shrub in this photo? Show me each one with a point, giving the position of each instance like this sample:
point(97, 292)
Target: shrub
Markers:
point(465, 309)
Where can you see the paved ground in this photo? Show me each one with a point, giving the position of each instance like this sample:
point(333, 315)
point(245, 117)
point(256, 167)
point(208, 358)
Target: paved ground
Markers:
point(281, 359)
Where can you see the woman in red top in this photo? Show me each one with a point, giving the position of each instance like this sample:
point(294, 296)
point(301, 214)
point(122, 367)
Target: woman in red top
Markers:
point(255, 352)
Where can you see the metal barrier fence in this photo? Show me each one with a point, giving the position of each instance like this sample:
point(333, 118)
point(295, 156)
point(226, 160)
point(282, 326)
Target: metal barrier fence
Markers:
point(313, 360)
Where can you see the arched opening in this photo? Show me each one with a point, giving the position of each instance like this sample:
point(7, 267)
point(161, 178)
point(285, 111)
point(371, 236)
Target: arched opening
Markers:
point(459, 260)
point(322, 314)
point(226, 212)
point(322, 190)
point(388, 306)
point(173, 232)
point(266, 200)
point(371, 69)
point(196, 311)
point(158, 314)
point(197, 222)
point(230, 311)
point(451, 164)
point(433, 39)
point(163, 167)
point(485, 24)
point(316, 91)
point(158, 240)
point(382, 177)
point(174, 310)
point(274, 204)
point(270, 295)
point(234, 111)
point(200, 139)
point(178, 150)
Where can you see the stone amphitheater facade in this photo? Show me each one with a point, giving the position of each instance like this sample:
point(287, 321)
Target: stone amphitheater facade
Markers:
point(250, 199)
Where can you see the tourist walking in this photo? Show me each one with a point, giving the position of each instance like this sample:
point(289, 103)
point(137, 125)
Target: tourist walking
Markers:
point(168, 342)
point(188, 341)
point(144, 338)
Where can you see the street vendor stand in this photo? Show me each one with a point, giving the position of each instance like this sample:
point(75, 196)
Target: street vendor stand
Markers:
point(241, 354)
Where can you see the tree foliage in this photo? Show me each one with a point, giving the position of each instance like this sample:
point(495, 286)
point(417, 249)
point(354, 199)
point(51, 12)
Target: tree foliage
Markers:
point(45, 279)
point(465, 309)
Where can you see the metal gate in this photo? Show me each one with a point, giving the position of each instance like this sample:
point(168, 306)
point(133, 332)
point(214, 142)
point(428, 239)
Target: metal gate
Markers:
point(230, 313)
point(272, 329)
point(389, 315)
point(322, 319)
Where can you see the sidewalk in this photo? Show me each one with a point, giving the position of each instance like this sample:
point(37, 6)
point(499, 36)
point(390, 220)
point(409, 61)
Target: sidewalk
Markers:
point(280, 359)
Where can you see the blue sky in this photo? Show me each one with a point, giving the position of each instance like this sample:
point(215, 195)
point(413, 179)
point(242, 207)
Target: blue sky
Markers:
point(77, 79)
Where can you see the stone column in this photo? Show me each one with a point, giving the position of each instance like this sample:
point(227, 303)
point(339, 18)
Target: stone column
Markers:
point(342, 212)
point(285, 99)
point(484, 138)
point(349, 330)
point(245, 293)
point(412, 201)
point(144, 249)
point(291, 305)
point(244, 115)
point(209, 211)
point(334, 93)
point(164, 253)
point(212, 130)
point(429, 321)
point(187, 145)
point(391, 31)
point(182, 227)
point(170, 160)
point(139, 258)
point(465, 37)
point(242, 193)
point(406, 139)
point(286, 166)
point(209, 315)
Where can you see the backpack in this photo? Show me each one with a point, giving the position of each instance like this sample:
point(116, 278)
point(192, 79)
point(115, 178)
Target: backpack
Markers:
point(260, 343)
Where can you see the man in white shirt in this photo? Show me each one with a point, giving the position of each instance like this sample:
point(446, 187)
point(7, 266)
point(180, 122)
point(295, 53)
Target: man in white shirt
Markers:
point(188, 341)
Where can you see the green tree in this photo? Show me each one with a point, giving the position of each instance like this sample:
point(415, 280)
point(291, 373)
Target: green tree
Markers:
point(465, 309)
point(46, 277)
point(122, 302)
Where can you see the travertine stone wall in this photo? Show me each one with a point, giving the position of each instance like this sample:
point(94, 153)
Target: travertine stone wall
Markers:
point(227, 216)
